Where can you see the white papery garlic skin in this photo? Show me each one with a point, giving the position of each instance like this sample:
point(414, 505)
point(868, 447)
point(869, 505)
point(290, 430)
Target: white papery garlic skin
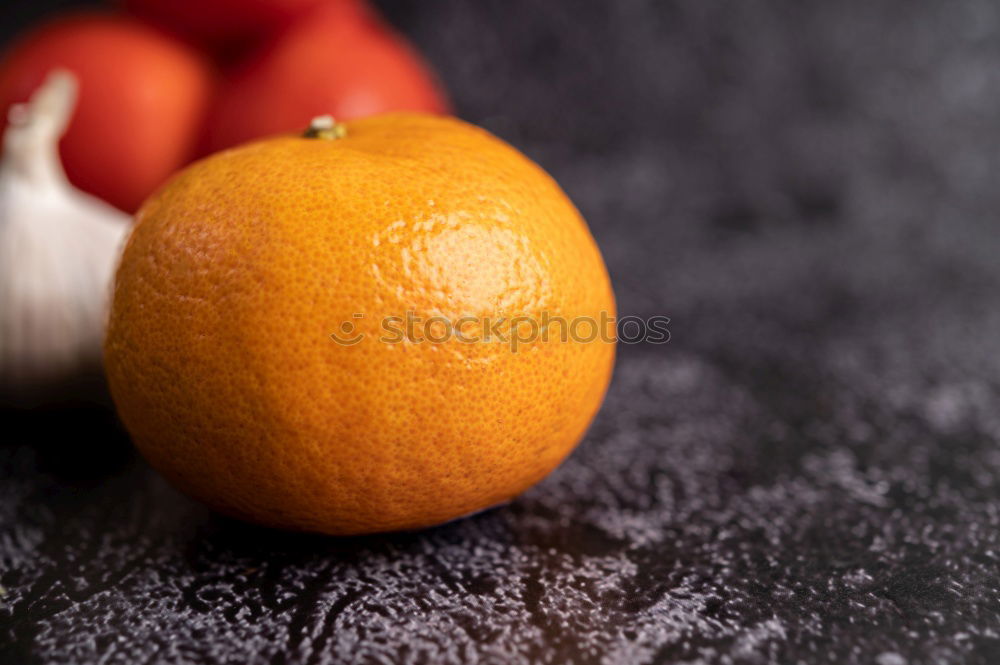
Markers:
point(59, 249)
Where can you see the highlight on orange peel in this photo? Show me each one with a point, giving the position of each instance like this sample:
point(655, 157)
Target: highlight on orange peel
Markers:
point(258, 350)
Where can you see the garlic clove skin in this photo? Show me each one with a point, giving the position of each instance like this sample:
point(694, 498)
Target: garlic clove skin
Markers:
point(59, 248)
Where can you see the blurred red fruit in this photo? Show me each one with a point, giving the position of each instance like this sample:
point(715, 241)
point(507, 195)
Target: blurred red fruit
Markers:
point(221, 23)
point(142, 99)
point(344, 63)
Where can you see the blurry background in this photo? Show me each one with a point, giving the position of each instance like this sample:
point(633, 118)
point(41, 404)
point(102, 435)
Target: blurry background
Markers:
point(806, 472)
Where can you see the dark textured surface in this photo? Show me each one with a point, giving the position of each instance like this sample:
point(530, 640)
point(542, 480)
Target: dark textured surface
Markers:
point(806, 473)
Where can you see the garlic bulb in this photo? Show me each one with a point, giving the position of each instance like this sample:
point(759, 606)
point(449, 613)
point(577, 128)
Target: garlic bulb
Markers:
point(58, 251)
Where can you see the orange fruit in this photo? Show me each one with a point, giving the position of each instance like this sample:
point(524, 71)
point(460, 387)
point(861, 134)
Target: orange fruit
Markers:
point(335, 60)
point(220, 352)
point(143, 98)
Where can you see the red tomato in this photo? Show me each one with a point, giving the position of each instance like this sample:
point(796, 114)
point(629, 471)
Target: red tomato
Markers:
point(347, 64)
point(221, 23)
point(142, 99)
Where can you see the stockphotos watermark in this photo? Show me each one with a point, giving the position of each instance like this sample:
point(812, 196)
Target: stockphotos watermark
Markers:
point(514, 332)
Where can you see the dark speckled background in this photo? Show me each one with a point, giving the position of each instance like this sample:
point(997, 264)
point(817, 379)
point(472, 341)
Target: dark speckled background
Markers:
point(806, 473)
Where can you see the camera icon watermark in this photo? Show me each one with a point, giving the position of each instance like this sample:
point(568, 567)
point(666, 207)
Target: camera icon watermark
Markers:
point(515, 332)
